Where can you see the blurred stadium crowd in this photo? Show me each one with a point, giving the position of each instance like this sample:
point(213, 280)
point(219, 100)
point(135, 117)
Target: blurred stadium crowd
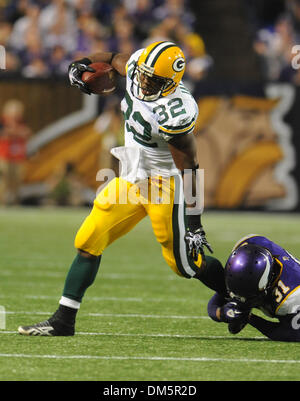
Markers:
point(41, 37)
point(274, 38)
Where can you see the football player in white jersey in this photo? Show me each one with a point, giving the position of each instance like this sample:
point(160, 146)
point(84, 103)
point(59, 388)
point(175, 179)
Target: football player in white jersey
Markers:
point(159, 157)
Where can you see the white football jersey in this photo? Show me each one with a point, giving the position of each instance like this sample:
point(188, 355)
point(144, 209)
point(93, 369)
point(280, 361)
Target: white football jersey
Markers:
point(149, 126)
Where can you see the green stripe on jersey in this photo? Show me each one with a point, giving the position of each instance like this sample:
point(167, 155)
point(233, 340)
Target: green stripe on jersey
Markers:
point(184, 89)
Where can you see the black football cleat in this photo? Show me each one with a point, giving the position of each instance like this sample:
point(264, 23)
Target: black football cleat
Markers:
point(39, 329)
point(50, 327)
point(46, 329)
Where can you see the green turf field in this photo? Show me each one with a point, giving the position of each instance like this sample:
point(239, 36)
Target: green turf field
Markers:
point(139, 321)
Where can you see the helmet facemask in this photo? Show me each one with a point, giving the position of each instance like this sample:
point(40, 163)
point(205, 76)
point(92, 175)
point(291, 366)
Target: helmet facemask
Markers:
point(150, 87)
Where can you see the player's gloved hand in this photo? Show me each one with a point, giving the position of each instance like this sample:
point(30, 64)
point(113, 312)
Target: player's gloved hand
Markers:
point(196, 241)
point(235, 315)
point(231, 312)
point(75, 70)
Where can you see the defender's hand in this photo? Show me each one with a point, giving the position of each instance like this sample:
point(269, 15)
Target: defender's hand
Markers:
point(196, 241)
point(75, 70)
point(231, 312)
point(235, 315)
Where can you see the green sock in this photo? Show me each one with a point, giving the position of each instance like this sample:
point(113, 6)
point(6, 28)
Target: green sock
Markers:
point(212, 275)
point(81, 275)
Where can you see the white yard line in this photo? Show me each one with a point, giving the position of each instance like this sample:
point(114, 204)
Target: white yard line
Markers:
point(118, 299)
point(111, 299)
point(106, 276)
point(139, 315)
point(158, 335)
point(122, 315)
point(151, 358)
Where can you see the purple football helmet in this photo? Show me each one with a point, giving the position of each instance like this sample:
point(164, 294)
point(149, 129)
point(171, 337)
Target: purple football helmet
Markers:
point(249, 273)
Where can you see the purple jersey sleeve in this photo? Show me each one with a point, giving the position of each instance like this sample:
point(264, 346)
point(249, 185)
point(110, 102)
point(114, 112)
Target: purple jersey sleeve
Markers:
point(214, 303)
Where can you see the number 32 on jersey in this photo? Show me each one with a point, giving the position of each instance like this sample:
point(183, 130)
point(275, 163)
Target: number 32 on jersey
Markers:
point(144, 136)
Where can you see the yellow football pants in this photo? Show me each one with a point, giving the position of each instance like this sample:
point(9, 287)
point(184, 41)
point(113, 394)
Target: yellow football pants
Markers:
point(121, 205)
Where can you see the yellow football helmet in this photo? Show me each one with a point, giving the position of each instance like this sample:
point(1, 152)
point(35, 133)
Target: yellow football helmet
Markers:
point(159, 70)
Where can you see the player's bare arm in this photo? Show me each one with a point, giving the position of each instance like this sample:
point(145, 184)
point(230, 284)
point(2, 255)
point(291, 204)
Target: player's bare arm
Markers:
point(183, 150)
point(117, 60)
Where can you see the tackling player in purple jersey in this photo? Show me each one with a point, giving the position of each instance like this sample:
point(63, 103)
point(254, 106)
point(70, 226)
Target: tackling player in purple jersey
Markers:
point(260, 274)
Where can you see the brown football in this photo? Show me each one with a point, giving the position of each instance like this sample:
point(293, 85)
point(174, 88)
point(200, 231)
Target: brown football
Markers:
point(102, 81)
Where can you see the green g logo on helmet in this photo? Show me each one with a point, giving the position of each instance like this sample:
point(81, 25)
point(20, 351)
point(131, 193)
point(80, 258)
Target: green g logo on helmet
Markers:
point(179, 64)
